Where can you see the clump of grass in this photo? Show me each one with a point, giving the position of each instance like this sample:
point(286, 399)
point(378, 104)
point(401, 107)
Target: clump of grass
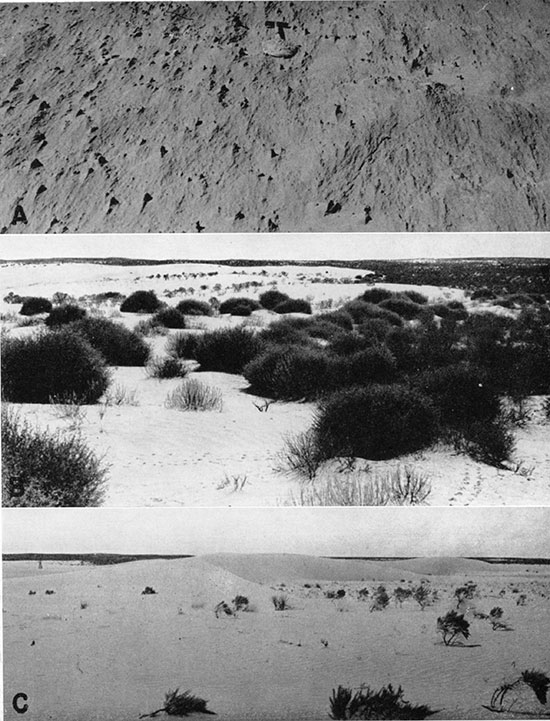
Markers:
point(387, 703)
point(181, 704)
point(192, 395)
point(41, 469)
point(168, 367)
point(301, 455)
point(119, 395)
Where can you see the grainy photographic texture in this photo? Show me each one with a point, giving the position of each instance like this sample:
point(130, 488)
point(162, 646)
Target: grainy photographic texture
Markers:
point(276, 116)
point(276, 614)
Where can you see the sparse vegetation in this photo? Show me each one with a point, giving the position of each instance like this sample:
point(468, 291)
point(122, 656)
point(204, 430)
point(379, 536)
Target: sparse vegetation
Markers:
point(280, 602)
point(180, 704)
point(192, 395)
point(387, 703)
point(451, 626)
point(380, 599)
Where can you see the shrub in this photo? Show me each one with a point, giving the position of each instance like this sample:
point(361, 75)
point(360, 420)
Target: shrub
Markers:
point(237, 306)
point(64, 314)
point(35, 305)
point(401, 594)
point(361, 311)
point(372, 365)
point(41, 469)
point(444, 310)
point(422, 595)
point(301, 455)
point(148, 591)
point(488, 442)
point(280, 602)
point(537, 681)
point(387, 703)
point(166, 368)
point(181, 704)
point(286, 332)
point(403, 307)
point(192, 395)
point(451, 626)
point(191, 306)
point(380, 599)
point(272, 298)
point(463, 394)
point(496, 612)
point(337, 317)
point(227, 350)
point(118, 345)
point(322, 329)
point(376, 422)
point(54, 364)
point(483, 294)
point(293, 305)
point(240, 603)
point(288, 373)
point(376, 295)
point(141, 301)
point(415, 296)
point(374, 330)
point(183, 345)
point(169, 318)
point(346, 343)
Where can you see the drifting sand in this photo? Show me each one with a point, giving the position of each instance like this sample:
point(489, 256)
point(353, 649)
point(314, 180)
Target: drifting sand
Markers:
point(138, 117)
point(115, 658)
point(162, 457)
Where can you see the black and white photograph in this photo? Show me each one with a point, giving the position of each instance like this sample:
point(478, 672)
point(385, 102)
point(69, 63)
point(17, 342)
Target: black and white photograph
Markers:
point(217, 117)
point(275, 614)
point(277, 373)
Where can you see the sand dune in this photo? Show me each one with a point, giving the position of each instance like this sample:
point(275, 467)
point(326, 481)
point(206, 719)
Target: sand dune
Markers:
point(99, 649)
point(409, 116)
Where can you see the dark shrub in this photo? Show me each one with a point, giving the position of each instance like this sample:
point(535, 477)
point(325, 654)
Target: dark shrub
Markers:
point(184, 345)
point(293, 305)
point(462, 393)
point(227, 350)
point(489, 442)
point(242, 311)
point(287, 331)
point(239, 304)
point(289, 372)
point(167, 368)
point(338, 317)
point(169, 318)
point(118, 345)
point(272, 298)
point(404, 346)
point(376, 295)
point(361, 311)
point(372, 365)
point(374, 330)
point(376, 422)
point(57, 364)
point(190, 306)
point(445, 310)
point(387, 703)
point(415, 296)
point(347, 343)
point(112, 295)
point(403, 307)
point(142, 301)
point(64, 314)
point(33, 306)
point(322, 329)
point(483, 294)
point(41, 469)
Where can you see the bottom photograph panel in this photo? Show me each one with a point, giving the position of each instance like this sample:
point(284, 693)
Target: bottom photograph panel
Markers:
point(291, 613)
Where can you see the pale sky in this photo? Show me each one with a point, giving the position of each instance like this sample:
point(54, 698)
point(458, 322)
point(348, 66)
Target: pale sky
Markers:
point(277, 246)
point(313, 531)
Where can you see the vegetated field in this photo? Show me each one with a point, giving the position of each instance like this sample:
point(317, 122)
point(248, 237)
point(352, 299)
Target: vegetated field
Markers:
point(97, 646)
point(387, 392)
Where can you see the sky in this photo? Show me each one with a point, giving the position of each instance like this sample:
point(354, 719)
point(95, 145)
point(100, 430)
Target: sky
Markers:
point(417, 531)
point(278, 246)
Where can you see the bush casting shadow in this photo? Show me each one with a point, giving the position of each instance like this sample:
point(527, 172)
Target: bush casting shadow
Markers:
point(118, 345)
point(387, 703)
point(181, 704)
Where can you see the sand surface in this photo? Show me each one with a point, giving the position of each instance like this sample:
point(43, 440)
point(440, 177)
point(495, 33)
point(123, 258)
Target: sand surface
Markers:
point(400, 116)
point(163, 457)
point(116, 657)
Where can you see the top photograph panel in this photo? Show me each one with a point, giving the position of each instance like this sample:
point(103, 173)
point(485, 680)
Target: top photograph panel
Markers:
point(265, 117)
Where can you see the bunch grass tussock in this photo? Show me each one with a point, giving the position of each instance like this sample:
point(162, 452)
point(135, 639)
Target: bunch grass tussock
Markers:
point(193, 395)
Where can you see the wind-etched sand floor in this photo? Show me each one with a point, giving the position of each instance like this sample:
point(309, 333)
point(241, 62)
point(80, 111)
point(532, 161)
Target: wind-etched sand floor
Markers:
point(97, 648)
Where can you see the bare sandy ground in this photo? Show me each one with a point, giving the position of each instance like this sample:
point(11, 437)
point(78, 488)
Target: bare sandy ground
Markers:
point(99, 649)
point(424, 115)
point(159, 456)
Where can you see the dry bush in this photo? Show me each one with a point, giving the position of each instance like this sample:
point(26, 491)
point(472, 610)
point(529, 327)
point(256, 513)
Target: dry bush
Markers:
point(387, 703)
point(169, 367)
point(192, 395)
point(119, 395)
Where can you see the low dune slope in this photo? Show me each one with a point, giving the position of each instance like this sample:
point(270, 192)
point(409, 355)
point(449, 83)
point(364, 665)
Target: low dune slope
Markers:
point(97, 649)
point(445, 566)
point(271, 568)
point(400, 116)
